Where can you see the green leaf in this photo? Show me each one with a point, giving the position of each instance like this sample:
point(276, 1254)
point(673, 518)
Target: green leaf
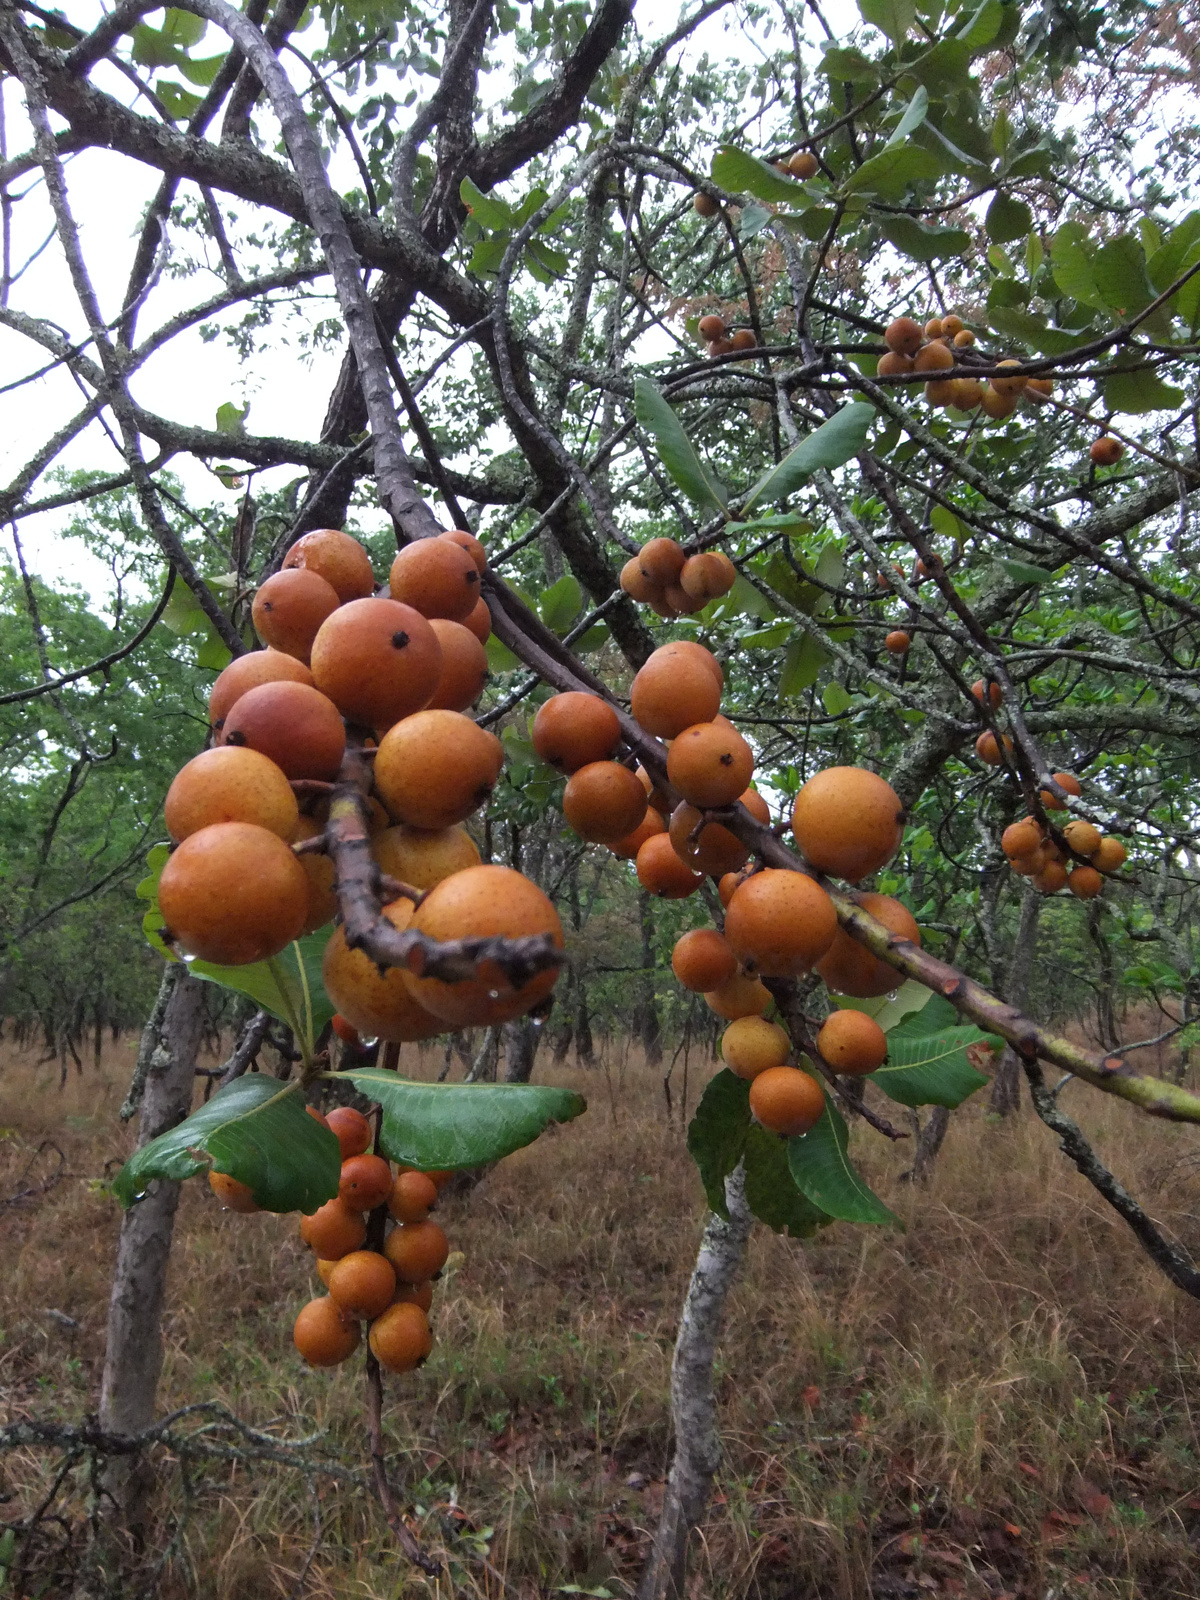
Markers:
point(768, 638)
point(929, 1069)
point(771, 1191)
point(182, 613)
point(488, 210)
point(1119, 268)
point(892, 17)
point(1138, 392)
point(675, 448)
point(1007, 218)
point(830, 445)
point(741, 173)
point(214, 654)
point(445, 1126)
point(1032, 331)
point(802, 665)
point(561, 603)
point(545, 262)
point(258, 1131)
point(836, 699)
point(813, 224)
point(500, 657)
point(985, 24)
point(1025, 572)
point(1071, 263)
point(821, 1167)
point(893, 169)
point(717, 1134)
point(278, 985)
point(914, 114)
point(945, 523)
point(231, 418)
point(847, 66)
point(179, 103)
point(889, 1010)
point(1168, 262)
point(754, 220)
point(923, 242)
point(201, 72)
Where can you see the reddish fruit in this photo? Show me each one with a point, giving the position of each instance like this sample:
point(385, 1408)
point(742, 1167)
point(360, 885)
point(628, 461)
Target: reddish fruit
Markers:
point(234, 1196)
point(347, 1033)
point(323, 1336)
point(333, 1230)
point(709, 847)
point(479, 621)
point(1066, 781)
point(247, 672)
point(468, 542)
point(378, 661)
point(904, 336)
point(337, 558)
point(893, 365)
point(228, 784)
point(849, 968)
point(365, 1183)
point(675, 689)
point(661, 561)
point(298, 728)
point(897, 643)
point(362, 1283)
point(436, 767)
point(1085, 883)
point(1110, 856)
point(707, 576)
point(628, 847)
point(464, 667)
point(351, 1127)
point(573, 730)
point(1021, 838)
point(711, 327)
point(935, 357)
point(400, 1338)
point(987, 748)
point(710, 764)
point(638, 586)
point(417, 1251)
point(992, 691)
point(412, 1196)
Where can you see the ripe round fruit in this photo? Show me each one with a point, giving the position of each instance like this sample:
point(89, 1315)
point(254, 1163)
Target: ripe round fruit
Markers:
point(234, 1196)
point(468, 542)
point(893, 365)
point(904, 336)
point(993, 692)
point(714, 850)
point(702, 960)
point(1083, 837)
point(322, 1335)
point(786, 1100)
point(417, 1250)
point(704, 577)
point(247, 672)
point(321, 875)
point(628, 847)
point(739, 996)
point(289, 608)
point(464, 667)
point(363, 1282)
point(848, 821)
point(780, 923)
point(603, 802)
point(1085, 883)
point(298, 728)
point(233, 893)
point(803, 164)
point(661, 561)
point(933, 328)
point(941, 392)
point(637, 585)
point(437, 578)
point(480, 621)
point(478, 903)
point(1106, 451)
point(849, 967)
point(379, 1004)
point(333, 1230)
point(997, 405)
point(377, 660)
point(352, 1129)
point(436, 767)
point(711, 327)
point(1021, 838)
point(897, 642)
point(752, 1045)
point(853, 1043)
point(413, 1193)
point(1038, 390)
point(674, 690)
point(337, 558)
point(705, 205)
point(400, 1338)
point(968, 394)
point(422, 858)
point(952, 326)
point(365, 1183)
point(1051, 878)
point(964, 339)
point(662, 873)
point(574, 729)
point(935, 357)
point(414, 1294)
point(1110, 855)
point(710, 764)
point(1066, 781)
point(1009, 387)
point(228, 784)
point(987, 748)
point(658, 797)
point(743, 339)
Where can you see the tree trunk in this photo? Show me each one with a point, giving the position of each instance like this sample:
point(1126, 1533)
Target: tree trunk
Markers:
point(581, 1028)
point(929, 1142)
point(693, 1405)
point(1006, 1085)
point(520, 1046)
point(646, 1020)
point(134, 1353)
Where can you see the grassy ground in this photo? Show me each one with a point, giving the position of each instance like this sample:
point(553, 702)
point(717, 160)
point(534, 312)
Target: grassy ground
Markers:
point(998, 1401)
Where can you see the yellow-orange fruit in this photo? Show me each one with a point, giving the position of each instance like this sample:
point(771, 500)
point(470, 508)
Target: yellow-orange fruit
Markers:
point(1069, 783)
point(413, 1193)
point(713, 850)
point(743, 339)
point(1038, 390)
point(417, 1251)
point(656, 796)
point(968, 394)
point(604, 802)
point(421, 858)
point(712, 326)
point(706, 576)
point(739, 996)
point(352, 1129)
point(997, 405)
point(964, 339)
point(637, 585)
point(289, 608)
point(935, 357)
point(941, 392)
point(247, 672)
point(786, 1100)
point(662, 873)
point(628, 847)
point(710, 764)
point(333, 1230)
point(234, 1196)
point(933, 328)
point(897, 642)
point(952, 326)
point(574, 729)
point(904, 336)
point(988, 748)
point(322, 1335)
point(325, 1271)
point(233, 893)
point(365, 1182)
point(848, 821)
point(400, 1338)
point(464, 667)
point(1106, 451)
point(780, 923)
point(436, 767)
point(298, 728)
point(1010, 387)
point(321, 876)
point(752, 1045)
point(379, 1004)
point(853, 1043)
point(803, 164)
point(1026, 866)
point(661, 560)
point(1110, 855)
point(674, 690)
point(468, 542)
point(228, 784)
point(993, 692)
point(336, 557)
point(1051, 878)
point(893, 365)
point(1021, 838)
point(414, 1294)
point(730, 883)
point(756, 806)
point(1085, 883)
point(478, 903)
point(437, 578)
point(702, 960)
point(479, 621)
point(1083, 837)
point(850, 968)
point(362, 1283)
point(377, 660)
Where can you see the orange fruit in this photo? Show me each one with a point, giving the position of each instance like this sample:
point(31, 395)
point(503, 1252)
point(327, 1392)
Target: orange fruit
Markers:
point(436, 767)
point(333, 1230)
point(1083, 837)
point(363, 1282)
point(247, 672)
point(414, 1294)
point(752, 1045)
point(849, 967)
point(628, 847)
point(468, 542)
point(1085, 883)
point(464, 667)
point(233, 893)
point(604, 802)
point(413, 1193)
point(289, 608)
point(436, 577)
point(421, 857)
point(661, 872)
point(321, 877)
point(853, 1043)
point(731, 882)
point(780, 923)
point(904, 336)
point(1110, 855)
point(1021, 838)
point(1010, 388)
point(479, 621)
point(573, 730)
point(230, 784)
point(365, 1183)
point(952, 326)
point(337, 558)
point(992, 690)
point(786, 1100)
point(417, 1251)
point(739, 996)
point(705, 847)
point(1051, 878)
point(964, 339)
point(377, 660)
point(710, 764)
point(848, 821)
point(352, 1129)
point(997, 405)
point(323, 1336)
point(803, 164)
point(676, 688)
point(702, 960)
point(637, 585)
point(1069, 783)
point(234, 1196)
point(295, 726)
point(987, 748)
point(378, 1003)
point(933, 328)
point(897, 642)
point(400, 1338)
point(893, 365)
point(935, 357)
point(706, 576)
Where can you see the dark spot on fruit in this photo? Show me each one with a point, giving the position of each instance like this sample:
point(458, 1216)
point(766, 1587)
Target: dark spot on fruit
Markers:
point(399, 638)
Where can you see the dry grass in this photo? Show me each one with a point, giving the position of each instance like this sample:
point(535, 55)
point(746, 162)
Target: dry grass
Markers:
point(997, 1401)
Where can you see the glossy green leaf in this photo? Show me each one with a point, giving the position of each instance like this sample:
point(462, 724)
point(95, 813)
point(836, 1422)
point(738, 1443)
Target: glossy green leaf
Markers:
point(741, 173)
point(545, 262)
point(1139, 392)
point(929, 1069)
point(923, 241)
point(985, 24)
point(893, 169)
point(915, 113)
point(289, 986)
point(802, 665)
point(258, 1131)
point(488, 210)
point(1071, 263)
point(500, 657)
point(1119, 268)
point(1007, 218)
point(1025, 571)
point(771, 1191)
point(561, 603)
point(892, 17)
point(717, 1133)
point(821, 1166)
point(446, 1126)
point(830, 445)
point(891, 1009)
point(675, 448)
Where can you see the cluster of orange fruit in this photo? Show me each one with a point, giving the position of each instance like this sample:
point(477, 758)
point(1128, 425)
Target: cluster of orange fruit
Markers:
point(398, 671)
point(391, 1289)
point(721, 342)
point(1033, 852)
point(674, 584)
point(931, 349)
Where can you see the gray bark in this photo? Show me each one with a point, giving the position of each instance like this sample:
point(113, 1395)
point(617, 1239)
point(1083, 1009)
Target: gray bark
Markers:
point(929, 1142)
point(520, 1046)
point(693, 1405)
point(1006, 1085)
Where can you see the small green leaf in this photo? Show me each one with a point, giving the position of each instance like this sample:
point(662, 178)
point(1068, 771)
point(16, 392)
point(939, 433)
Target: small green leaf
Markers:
point(768, 638)
point(909, 999)
point(754, 220)
point(893, 169)
point(771, 1191)
point(738, 172)
point(1007, 218)
point(1071, 263)
point(231, 418)
point(945, 523)
point(1025, 572)
point(922, 241)
point(1138, 392)
point(717, 1133)
point(214, 654)
point(201, 72)
point(1119, 268)
point(830, 445)
point(847, 66)
point(561, 603)
point(278, 985)
point(822, 1169)
point(914, 115)
point(837, 699)
point(675, 448)
point(802, 665)
point(929, 1069)
point(179, 103)
point(445, 1126)
point(892, 17)
point(258, 1131)
point(488, 210)
point(500, 657)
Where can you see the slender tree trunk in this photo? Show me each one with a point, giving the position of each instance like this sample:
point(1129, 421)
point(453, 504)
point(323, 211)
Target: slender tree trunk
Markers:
point(929, 1142)
point(1006, 1085)
point(134, 1352)
point(646, 1024)
point(693, 1405)
point(520, 1046)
